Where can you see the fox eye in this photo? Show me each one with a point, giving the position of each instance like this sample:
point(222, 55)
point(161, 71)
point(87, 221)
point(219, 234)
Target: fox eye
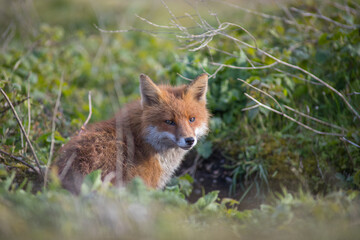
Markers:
point(192, 119)
point(169, 122)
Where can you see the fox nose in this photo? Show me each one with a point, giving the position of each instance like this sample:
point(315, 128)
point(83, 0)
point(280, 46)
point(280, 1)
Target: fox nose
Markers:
point(189, 141)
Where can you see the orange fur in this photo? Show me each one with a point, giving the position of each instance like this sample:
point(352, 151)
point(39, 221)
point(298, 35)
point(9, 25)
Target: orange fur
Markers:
point(139, 141)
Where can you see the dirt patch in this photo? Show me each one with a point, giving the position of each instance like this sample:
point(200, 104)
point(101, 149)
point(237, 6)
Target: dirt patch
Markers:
point(211, 174)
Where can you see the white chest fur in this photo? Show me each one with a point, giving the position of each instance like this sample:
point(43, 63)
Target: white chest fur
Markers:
point(169, 161)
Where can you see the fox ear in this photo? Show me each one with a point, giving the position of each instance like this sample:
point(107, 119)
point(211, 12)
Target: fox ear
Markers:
point(198, 87)
point(150, 93)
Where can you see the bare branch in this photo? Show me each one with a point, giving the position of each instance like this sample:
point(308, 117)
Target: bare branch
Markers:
point(53, 126)
point(315, 119)
point(204, 44)
point(174, 19)
point(187, 79)
point(245, 68)
point(15, 104)
point(352, 143)
point(89, 116)
point(353, 93)
point(133, 30)
point(222, 51)
point(297, 77)
point(293, 119)
point(23, 130)
point(258, 89)
point(320, 16)
point(352, 109)
point(154, 24)
point(217, 70)
point(29, 110)
point(251, 107)
point(345, 8)
point(266, 16)
point(316, 78)
point(19, 159)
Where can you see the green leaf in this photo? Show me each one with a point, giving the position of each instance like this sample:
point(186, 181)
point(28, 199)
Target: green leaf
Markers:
point(207, 200)
point(204, 149)
point(92, 182)
point(357, 178)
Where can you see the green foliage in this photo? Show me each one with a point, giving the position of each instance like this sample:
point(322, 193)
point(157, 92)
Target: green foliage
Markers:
point(91, 182)
point(256, 143)
point(263, 151)
point(181, 185)
point(265, 147)
point(208, 201)
point(136, 211)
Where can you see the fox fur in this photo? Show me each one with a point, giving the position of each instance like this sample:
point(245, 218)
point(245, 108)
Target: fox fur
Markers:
point(147, 138)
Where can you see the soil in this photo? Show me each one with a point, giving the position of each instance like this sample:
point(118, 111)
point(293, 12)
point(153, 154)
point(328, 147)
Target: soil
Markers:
point(211, 175)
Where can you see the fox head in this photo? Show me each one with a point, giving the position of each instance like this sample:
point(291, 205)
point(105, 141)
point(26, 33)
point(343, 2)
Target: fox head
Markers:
point(174, 117)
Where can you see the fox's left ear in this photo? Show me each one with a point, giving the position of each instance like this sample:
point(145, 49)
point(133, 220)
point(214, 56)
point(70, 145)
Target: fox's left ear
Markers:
point(150, 93)
point(198, 87)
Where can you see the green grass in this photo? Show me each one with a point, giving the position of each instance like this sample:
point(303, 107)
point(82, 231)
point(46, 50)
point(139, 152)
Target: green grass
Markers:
point(102, 211)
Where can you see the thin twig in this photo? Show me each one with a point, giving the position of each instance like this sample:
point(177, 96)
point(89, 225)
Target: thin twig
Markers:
point(267, 16)
point(251, 107)
point(24, 147)
point(133, 30)
point(53, 126)
point(23, 130)
point(15, 104)
point(89, 116)
point(353, 93)
point(31, 48)
point(174, 19)
point(192, 169)
point(245, 68)
point(315, 119)
point(222, 51)
point(317, 161)
point(29, 110)
point(352, 109)
point(345, 8)
point(258, 89)
point(320, 16)
point(297, 77)
point(68, 164)
point(16, 158)
point(187, 79)
point(153, 24)
point(293, 119)
point(352, 143)
point(217, 70)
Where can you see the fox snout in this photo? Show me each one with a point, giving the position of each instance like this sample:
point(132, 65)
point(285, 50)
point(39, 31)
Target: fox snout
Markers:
point(162, 140)
point(187, 143)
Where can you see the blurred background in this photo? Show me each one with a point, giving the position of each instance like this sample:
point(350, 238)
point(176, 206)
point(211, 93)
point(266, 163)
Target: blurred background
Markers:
point(301, 59)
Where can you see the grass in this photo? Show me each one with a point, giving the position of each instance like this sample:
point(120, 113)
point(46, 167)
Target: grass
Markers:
point(102, 211)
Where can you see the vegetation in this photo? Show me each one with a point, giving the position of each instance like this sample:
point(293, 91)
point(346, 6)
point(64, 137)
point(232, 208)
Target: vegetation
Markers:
point(270, 77)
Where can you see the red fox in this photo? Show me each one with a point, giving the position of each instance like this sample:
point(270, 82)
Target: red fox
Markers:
point(147, 138)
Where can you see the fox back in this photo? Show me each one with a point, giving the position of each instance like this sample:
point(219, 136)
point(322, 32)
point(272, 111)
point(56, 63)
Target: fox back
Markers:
point(147, 138)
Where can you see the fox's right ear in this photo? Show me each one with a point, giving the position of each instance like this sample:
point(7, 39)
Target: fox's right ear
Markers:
point(198, 87)
point(150, 93)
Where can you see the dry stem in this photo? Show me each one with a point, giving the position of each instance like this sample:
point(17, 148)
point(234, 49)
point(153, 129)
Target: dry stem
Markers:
point(293, 119)
point(23, 131)
point(53, 126)
point(18, 159)
point(89, 116)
